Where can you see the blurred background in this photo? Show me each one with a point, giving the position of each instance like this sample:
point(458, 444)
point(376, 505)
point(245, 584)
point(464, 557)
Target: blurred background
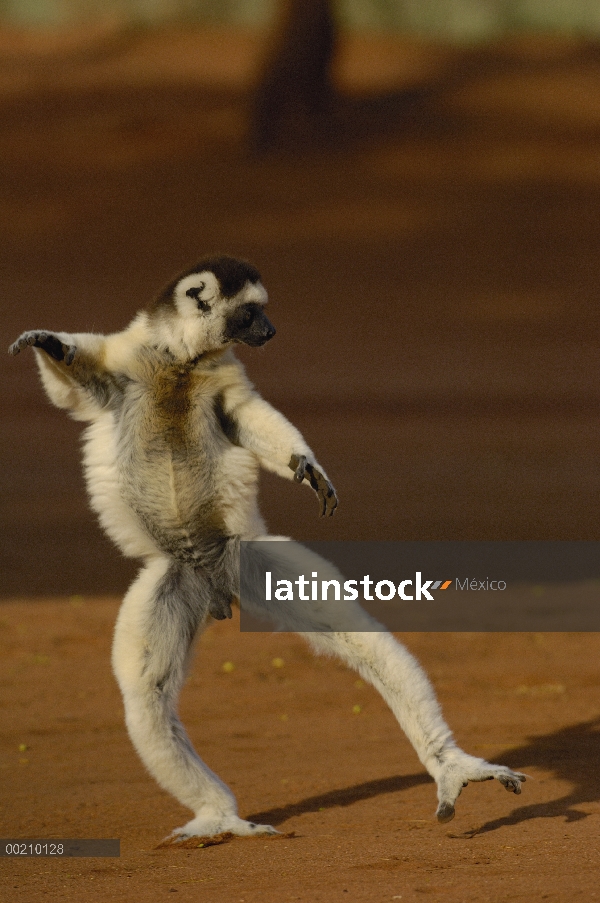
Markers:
point(418, 182)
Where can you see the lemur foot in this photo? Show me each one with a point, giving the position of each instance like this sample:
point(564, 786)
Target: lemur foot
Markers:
point(221, 598)
point(220, 608)
point(458, 769)
point(48, 342)
point(326, 494)
point(208, 826)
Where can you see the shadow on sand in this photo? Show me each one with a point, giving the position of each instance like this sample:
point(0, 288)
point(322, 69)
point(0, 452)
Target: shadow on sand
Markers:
point(347, 796)
point(570, 754)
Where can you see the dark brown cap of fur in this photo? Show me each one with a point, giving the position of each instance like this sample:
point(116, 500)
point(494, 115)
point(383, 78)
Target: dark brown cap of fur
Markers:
point(231, 274)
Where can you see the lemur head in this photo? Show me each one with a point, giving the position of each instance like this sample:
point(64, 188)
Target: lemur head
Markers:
point(214, 304)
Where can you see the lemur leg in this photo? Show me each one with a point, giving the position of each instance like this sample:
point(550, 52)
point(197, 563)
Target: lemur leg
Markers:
point(396, 674)
point(382, 661)
point(161, 614)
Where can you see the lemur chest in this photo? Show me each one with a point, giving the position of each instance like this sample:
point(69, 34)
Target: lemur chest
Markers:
point(175, 398)
point(183, 410)
point(173, 420)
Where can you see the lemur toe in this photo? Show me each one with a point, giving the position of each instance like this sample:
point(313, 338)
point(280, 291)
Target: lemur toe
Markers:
point(445, 812)
point(512, 784)
point(220, 610)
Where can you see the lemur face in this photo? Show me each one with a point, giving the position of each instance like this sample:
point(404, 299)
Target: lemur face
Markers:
point(247, 322)
point(219, 304)
point(240, 319)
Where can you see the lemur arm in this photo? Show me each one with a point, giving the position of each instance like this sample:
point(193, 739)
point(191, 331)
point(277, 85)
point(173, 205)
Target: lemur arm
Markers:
point(279, 446)
point(72, 370)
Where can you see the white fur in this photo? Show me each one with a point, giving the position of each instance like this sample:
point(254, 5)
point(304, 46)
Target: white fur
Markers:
point(102, 476)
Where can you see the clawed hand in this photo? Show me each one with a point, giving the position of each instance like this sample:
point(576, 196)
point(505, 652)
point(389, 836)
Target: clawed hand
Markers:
point(48, 342)
point(325, 491)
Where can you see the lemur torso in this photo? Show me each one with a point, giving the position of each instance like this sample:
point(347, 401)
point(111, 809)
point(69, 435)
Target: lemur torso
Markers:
point(165, 448)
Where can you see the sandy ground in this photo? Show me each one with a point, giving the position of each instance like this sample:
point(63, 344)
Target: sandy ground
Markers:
point(432, 266)
point(288, 739)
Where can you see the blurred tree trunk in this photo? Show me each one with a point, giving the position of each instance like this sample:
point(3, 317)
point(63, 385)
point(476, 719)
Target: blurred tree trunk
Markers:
point(295, 93)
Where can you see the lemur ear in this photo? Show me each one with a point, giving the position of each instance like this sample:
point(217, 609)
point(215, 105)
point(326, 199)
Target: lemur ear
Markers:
point(195, 293)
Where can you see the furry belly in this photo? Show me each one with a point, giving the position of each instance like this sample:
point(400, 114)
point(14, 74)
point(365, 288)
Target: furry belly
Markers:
point(150, 504)
point(174, 503)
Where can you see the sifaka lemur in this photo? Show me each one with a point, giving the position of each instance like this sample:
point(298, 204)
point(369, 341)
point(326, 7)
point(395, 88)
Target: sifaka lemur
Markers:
point(175, 438)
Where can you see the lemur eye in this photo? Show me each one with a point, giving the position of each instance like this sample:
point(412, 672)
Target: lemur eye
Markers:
point(248, 317)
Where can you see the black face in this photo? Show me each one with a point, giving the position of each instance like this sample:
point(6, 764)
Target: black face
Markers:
point(249, 325)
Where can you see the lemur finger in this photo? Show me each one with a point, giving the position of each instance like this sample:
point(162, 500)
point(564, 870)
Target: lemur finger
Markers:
point(325, 491)
point(298, 465)
point(70, 354)
point(328, 500)
point(24, 341)
point(331, 501)
point(311, 476)
point(331, 498)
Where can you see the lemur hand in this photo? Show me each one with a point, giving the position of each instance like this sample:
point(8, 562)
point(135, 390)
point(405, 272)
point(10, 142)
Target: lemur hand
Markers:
point(325, 492)
point(48, 342)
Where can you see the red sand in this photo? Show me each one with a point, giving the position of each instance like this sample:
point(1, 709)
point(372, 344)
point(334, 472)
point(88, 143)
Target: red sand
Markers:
point(289, 743)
